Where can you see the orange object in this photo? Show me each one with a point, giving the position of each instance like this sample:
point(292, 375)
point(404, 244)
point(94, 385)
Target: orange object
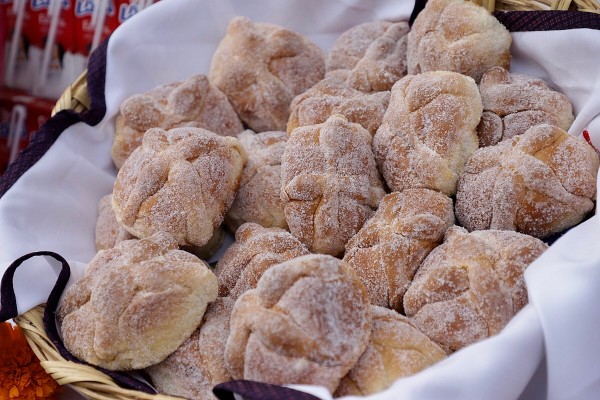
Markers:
point(21, 375)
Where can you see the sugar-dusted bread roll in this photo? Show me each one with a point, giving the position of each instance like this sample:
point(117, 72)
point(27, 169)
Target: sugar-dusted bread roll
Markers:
point(397, 348)
point(255, 250)
point(258, 198)
point(121, 314)
point(193, 102)
point(370, 56)
point(180, 181)
point(199, 363)
point(429, 131)
point(538, 183)
point(469, 287)
point(108, 230)
point(261, 68)
point(513, 103)
point(335, 96)
point(459, 36)
point(329, 183)
point(390, 247)
point(308, 321)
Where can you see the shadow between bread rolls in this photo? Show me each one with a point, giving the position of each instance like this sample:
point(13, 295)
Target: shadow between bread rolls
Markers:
point(388, 227)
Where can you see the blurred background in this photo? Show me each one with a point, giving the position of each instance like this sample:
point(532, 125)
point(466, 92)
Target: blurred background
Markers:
point(44, 47)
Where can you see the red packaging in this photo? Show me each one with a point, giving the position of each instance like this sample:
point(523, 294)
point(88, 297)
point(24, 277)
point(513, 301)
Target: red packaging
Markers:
point(3, 34)
point(37, 25)
point(117, 12)
point(83, 28)
point(7, 25)
point(38, 111)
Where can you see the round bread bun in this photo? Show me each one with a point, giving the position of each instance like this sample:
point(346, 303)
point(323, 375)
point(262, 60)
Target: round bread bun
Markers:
point(258, 198)
point(469, 287)
point(121, 314)
point(428, 131)
point(198, 364)
point(335, 96)
point(330, 183)
point(390, 247)
point(397, 348)
point(108, 230)
point(539, 183)
point(370, 56)
point(255, 250)
point(458, 36)
point(180, 181)
point(261, 68)
point(307, 322)
point(513, 103)
point(193, 102)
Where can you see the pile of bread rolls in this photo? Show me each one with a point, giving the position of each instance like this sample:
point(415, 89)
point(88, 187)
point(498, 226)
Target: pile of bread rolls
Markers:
point(385, 198)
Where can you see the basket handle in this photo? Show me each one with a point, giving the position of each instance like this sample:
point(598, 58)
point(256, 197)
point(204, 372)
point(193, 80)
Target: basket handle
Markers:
point(8, 310)
point(8, 299)
point(252, 390)
point(249, 390)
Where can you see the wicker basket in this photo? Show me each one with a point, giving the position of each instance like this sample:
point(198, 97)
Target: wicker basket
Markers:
point(86, 380)
point(94, 384)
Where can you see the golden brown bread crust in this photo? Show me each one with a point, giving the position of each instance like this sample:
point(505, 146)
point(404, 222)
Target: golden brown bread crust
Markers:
point(513, 103)
point(397, 348)
point(108, 230)
point(459, 36)
point(180, 181)
point(538, 183)
point(308, 321)
point(198, 364)
point(120, 315)
point(371, 56)
point(193, 102)
point(255, 250)
point(428, 131)
point(469, 287)
point(335, 96)
point(330, 183)
point(389, 248)
point(258, 198)
point(261, 68)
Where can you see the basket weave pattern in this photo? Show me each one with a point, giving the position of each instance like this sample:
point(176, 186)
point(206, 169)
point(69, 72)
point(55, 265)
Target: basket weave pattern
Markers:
point(94, 384)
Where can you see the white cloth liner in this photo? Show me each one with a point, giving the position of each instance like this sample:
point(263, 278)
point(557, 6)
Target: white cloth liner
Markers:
point(549, 350)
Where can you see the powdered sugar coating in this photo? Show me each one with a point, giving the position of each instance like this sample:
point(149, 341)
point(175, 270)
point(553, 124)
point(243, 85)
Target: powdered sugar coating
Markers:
point(335, 96)
point(199, 363)
point(258, 199)
point(307, 321)
point(390, 247)
point(470, 287)
point(459, 36)
point(180, 181)
point(193, 102)
point(428, 131)
point(539, 183)
point(261, 68)
point(372, 55)
point(120, 315)
point(517, 102)
point(108, 230)
point(397, 348)
point(329, 183)
point(255, 250)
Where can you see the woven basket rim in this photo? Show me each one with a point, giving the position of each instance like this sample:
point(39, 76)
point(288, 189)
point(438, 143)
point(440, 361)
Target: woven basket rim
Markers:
point(84, 379)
